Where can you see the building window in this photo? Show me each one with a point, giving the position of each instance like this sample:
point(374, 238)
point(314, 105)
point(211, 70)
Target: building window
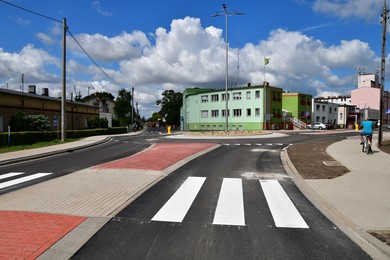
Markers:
point(323, 108)
point(204, 114)
point(341, 116)
point(224, 97)
point(224, 113)
point(237, 96)
point(237, 112)
point(204, 98)
point(248, 112)
point(248, 95)
point(214, 113)
point(214, 98)
point(257, 111)
point(257, 94)
point(318, 107)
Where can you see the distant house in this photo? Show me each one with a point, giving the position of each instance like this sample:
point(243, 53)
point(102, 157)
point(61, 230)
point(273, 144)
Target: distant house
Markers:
point(31, 103)
point(325, 112)
point(249, 108)
point(106, 107)
point(299, 105)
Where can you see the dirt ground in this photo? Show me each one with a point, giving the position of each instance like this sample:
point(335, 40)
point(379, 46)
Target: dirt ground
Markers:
point(319, 165)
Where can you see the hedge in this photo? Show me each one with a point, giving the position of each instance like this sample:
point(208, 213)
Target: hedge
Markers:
point(27, 138)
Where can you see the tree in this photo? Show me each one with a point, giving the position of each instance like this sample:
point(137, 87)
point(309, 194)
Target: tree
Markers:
point(123, 107)
point(171, 104)
point(100, 96)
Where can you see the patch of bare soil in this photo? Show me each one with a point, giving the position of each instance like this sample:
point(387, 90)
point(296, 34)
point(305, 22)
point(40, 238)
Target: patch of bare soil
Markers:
point(385, 146)
point(382, 235)
point(312, 161)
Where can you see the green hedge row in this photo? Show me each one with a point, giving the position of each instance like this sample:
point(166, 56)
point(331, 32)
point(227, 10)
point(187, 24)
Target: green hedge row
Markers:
point(27, 138)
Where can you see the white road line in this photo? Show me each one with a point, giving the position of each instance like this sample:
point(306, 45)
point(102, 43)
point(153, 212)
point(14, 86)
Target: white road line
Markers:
point(11, 174)
point(230, 206)
point(178, 205)
point(21, 180)
point(282, 209)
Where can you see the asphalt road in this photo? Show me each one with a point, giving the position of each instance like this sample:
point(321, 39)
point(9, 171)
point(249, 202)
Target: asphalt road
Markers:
point(232, 214)
point(245, 171)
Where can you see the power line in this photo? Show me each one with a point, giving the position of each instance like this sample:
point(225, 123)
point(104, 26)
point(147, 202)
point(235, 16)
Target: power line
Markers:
point(30, 11)
point(81, 47)
point(94, 62)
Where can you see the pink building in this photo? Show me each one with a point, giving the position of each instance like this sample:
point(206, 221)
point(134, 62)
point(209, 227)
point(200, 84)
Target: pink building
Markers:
point(367, 95)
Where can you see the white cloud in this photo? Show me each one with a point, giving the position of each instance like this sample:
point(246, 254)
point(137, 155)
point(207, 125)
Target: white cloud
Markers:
point(96, 5)
point(349, 8)
point(45, 39)
point(100, 47)
point(189, 55)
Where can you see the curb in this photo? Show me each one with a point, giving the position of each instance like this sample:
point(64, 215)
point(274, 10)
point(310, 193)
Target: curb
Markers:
point(372, 246)
point(41, 155)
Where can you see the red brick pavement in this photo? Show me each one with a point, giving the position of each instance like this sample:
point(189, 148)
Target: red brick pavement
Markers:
point(26, 235)
point(158, 157)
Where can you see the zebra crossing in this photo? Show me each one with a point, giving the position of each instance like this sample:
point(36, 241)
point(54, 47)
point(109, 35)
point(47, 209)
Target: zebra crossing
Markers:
point(230, 206)
point(19, 180)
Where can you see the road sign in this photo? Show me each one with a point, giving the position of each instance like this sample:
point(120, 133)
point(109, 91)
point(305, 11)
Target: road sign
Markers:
point(182, 118)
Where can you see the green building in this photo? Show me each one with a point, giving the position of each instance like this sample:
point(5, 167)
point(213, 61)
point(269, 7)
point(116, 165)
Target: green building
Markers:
point(249, 108)
point(299, 105)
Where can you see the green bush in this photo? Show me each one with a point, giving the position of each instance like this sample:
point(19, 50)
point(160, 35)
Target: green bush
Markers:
point(27, 138)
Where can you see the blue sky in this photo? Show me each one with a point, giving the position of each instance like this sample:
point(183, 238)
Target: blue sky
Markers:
point(314, 46)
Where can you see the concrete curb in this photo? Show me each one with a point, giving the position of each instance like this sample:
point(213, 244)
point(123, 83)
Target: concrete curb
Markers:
point(41, 155)
point(368, 243)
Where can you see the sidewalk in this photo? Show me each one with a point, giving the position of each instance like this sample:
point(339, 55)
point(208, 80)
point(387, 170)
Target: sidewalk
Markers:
point(357, 202)
point(82, 202)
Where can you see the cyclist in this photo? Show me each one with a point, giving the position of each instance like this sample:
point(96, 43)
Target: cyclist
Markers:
point(367, 129)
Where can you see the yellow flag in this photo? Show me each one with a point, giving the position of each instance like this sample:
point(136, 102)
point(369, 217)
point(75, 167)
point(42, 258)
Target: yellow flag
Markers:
point(266, 60)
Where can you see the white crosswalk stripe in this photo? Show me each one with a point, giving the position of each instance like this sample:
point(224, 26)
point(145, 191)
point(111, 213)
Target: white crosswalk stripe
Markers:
point(9, 175)
point(23, 179)
point(282, 209)
point(177, 206)
point(230, 205)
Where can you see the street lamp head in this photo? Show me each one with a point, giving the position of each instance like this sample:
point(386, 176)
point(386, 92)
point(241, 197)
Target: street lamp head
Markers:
point(224, 6)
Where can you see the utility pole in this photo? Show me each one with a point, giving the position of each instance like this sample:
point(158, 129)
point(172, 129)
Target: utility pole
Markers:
point(132, 108)
point(382, 81)
point(63, 98)
point(226, 13)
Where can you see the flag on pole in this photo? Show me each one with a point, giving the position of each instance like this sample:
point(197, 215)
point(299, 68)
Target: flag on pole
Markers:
point(266, 60)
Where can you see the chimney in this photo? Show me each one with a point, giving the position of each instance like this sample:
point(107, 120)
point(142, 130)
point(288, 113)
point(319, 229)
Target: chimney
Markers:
point(32, 89)
point(45, 92)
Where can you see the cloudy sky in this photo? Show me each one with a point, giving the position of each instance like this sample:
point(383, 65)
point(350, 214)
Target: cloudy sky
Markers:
point(315, 46)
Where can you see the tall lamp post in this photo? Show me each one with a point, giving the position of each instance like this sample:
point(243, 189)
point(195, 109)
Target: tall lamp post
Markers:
point(225, 12)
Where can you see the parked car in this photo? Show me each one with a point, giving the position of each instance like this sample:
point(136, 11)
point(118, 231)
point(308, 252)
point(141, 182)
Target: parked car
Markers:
point(316, 125)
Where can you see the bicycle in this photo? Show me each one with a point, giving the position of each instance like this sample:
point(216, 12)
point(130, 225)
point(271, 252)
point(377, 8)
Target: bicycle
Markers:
point(366, 144)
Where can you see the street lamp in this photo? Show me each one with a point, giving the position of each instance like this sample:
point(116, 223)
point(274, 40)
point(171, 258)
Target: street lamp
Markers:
point(224, 12)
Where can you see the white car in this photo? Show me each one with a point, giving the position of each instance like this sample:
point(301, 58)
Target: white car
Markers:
point(316, 125)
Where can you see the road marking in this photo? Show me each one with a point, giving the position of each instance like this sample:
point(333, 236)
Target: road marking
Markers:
point(11, 174)
point(282, 209)
point(21, 180)
point(230, 206)
point(178, 205)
